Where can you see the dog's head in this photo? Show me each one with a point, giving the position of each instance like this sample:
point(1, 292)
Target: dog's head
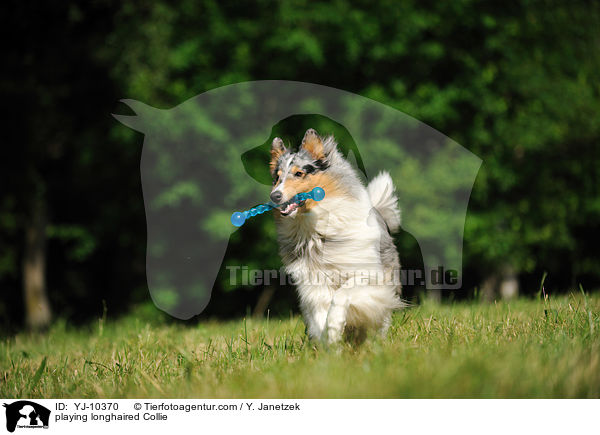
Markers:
point(301, 171)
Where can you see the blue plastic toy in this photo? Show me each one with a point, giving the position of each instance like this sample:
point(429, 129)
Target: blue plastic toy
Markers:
point(239, 217)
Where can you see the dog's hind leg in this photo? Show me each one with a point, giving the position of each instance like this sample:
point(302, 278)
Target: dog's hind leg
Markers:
point(385, 326)
point(336, 317)
point(355, 334)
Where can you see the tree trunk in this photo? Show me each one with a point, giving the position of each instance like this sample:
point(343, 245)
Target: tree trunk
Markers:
point(509, 285)
point(489, 288)
point(37, 307)
point(503, 284)
point(263, 301)
point(435, 295)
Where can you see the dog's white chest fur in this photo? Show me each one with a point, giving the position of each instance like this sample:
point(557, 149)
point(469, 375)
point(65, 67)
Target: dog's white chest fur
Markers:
point(338, 251)
point(333, 256)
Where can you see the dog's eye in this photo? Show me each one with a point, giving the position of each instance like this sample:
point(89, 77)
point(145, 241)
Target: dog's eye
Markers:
point(275, 180)
point(299, 174)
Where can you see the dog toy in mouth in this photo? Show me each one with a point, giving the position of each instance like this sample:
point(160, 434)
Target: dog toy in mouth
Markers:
point(239, 217)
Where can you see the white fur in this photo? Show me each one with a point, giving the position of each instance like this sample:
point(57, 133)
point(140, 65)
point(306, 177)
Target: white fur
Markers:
point(338, 236)
point(382, 192)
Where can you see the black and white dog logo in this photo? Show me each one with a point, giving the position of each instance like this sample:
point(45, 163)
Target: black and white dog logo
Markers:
point(26, 414)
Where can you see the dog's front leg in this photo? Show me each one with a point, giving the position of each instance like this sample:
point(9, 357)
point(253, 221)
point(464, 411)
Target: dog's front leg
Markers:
point(336, 317)
point(314, 304)
point(316, 319)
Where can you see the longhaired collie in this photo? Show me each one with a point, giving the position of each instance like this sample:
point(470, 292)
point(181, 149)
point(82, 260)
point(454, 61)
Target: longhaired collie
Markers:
point(339, 251)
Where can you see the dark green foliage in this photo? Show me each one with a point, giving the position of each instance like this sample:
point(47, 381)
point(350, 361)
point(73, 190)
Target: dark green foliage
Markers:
point(517, 83)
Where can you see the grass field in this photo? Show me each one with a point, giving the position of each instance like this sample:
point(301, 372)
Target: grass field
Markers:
point(526, 348)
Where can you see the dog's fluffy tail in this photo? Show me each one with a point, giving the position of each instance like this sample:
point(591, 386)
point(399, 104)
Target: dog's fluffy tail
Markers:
point(383, 197)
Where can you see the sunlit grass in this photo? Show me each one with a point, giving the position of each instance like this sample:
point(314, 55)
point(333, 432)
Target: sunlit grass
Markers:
point(525, 348)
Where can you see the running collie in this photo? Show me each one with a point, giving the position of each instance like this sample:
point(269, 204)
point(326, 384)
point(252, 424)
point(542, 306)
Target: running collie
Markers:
point(339, 251)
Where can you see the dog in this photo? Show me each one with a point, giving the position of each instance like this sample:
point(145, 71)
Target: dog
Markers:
point(339, 252)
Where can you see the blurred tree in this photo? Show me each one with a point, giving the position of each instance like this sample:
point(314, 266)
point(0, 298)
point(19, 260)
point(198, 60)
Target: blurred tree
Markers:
point(61, 202)
point(37, 307)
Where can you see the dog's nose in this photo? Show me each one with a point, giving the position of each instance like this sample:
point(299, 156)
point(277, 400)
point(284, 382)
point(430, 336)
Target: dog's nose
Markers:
point(276, 196)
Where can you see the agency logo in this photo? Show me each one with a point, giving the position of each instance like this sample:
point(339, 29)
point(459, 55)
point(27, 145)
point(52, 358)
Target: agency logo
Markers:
point(26, 415)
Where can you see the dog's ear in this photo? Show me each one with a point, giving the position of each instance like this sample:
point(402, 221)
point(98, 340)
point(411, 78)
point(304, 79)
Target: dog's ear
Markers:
point(313, 144)
point(277, 150)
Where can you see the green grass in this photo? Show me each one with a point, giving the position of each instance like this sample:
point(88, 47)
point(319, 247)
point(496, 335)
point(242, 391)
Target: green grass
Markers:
point(526, 348)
